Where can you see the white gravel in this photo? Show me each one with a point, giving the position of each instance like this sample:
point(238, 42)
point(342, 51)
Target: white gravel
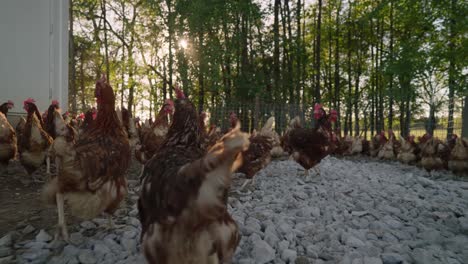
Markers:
point(356, 212)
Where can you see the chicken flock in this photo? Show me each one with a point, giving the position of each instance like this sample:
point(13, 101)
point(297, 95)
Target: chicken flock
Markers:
point(187, 166)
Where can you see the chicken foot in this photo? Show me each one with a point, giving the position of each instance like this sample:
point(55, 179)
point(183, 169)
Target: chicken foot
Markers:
point(62, 230)
point(110, 223)
point(247, 182)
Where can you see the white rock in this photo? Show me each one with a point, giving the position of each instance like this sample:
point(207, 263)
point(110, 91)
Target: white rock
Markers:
point(88, 225)
point(101, 249)
point(271, 238)
point(392, 258)
point(28, 229)
point(6, 260)
point(42, 236)
point(76, 238)
point(4, 252)
point(425, 182)
point(6, 240)
point(354, 242)
point(36, 255)
point(289, 255)
point(262, 252)
point(129, 244)
point(86, 257)
point(283, 245)
point(284, 228)
point(372, 260)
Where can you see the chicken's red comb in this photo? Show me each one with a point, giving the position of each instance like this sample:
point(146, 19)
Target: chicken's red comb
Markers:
point(179, 93)
point(26, 102)
point(81, 116)
point(29, 100)
point(55, 102)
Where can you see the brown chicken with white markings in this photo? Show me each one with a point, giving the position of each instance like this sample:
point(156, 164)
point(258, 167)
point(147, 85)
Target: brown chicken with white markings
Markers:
point(34, 141)
point(153, 135)
point(258, 155)
point(308, 146)
point(8, 145)
point(430, 154)
point(183, 203)
point(389, 150)
point(91, 172)
point(409, 151)
point(458, 162)
point(377, 143)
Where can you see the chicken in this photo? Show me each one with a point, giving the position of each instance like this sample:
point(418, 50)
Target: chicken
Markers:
point(458, 162)
point(87, 120)
point(20, 127)
point(129, 124)
point(258, 155)
point(389, 149)
point(342, 146)
point(409, 151)
point(49, 120)
point(8, 145)
point(357, 146)
point(377, 143)
point(430, 158)
point(211, 137)
point(34, 141)
point(91, 172)
point(308, 146)
point(183, 202)
point(5, 107)
point(152, 135)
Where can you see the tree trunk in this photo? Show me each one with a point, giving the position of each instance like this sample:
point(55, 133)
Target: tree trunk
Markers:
point(465, 118)
point(337, 68)
point(276, 49)
point(72, 61)
point(390, 88)
point(298, 52)
point(106, 45)
point(201, 70)
point(317, 54)
point(170, 28)
point(82, 83)
point(451, 70)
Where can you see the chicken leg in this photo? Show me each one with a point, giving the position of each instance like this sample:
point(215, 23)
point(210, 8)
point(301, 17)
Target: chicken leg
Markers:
point(62, 227)
point(48, 165)
point(317, 170)
point(110, 223)
point(247, 182)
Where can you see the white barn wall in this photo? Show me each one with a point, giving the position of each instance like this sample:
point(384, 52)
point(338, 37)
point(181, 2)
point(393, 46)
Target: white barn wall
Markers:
point(34, 52)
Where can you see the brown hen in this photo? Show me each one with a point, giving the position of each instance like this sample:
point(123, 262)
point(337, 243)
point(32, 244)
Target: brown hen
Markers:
point(183, 203)
point(91, 172)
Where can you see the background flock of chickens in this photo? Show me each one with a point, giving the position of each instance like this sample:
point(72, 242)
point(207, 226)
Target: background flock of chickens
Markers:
point(187, 166)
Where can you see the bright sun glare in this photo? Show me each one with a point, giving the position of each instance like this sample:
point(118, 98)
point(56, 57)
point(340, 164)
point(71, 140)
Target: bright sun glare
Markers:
point(183, 43)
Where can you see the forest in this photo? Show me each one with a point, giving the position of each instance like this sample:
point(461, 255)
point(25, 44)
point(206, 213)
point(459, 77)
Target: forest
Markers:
point(382, 64)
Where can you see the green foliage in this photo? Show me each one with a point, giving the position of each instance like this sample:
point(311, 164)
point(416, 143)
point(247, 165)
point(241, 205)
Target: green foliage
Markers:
point(373, 54)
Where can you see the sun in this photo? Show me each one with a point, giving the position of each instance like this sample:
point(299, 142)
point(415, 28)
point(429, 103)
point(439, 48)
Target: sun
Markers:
point(183, 43)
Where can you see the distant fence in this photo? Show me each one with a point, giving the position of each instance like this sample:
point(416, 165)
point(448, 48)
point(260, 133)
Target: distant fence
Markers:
point(253, 115)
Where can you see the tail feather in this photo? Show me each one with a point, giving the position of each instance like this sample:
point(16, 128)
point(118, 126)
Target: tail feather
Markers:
point(269, 125)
